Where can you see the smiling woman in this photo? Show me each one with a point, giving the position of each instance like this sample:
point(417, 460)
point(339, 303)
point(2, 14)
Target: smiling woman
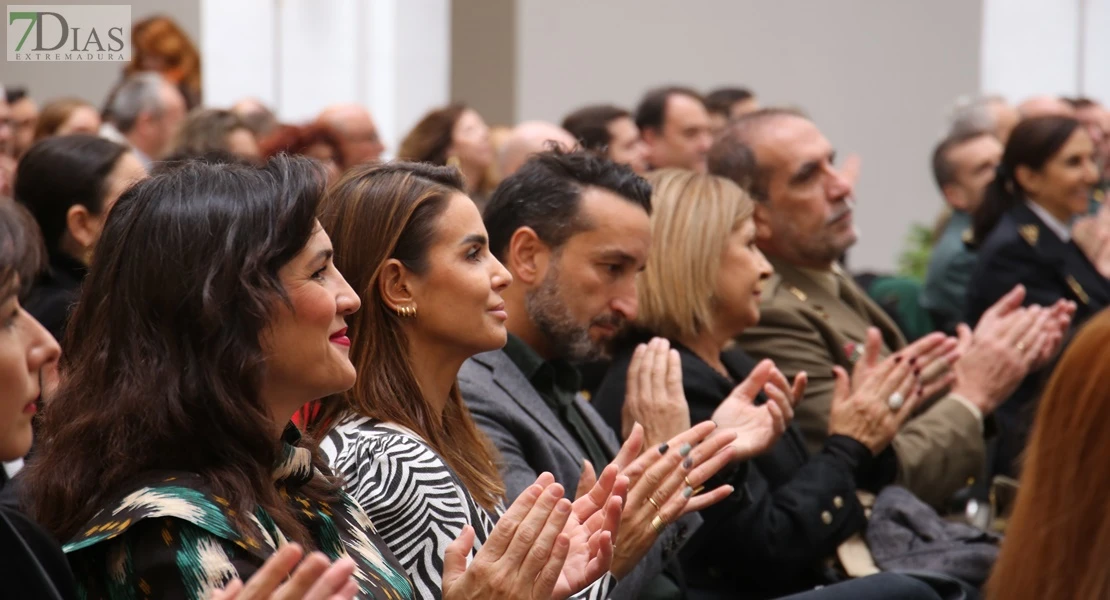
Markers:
point(417, 252)
point(166, 462)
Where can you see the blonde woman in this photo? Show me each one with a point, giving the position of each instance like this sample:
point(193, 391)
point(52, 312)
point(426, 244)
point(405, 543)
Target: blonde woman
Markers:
point(701, 288)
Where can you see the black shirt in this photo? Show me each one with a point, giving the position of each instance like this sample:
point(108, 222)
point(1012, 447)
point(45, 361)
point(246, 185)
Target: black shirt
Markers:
point(558, 383)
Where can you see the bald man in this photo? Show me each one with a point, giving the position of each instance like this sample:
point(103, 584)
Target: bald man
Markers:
point(529, 138)
point(360, 140)
point(1045, 106)
point(258, 117)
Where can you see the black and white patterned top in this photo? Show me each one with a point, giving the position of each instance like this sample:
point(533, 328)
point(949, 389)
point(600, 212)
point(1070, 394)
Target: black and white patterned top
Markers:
point(418, 504)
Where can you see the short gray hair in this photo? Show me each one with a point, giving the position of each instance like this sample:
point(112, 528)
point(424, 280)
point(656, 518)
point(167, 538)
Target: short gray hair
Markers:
point(972, 114)
point(137, 94)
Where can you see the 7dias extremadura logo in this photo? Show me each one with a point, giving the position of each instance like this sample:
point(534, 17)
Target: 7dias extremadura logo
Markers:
point(69, 33)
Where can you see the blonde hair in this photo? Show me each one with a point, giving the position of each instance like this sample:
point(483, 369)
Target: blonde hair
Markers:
point(692, 217)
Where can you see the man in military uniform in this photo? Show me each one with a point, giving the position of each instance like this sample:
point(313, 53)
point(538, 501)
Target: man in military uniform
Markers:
point(963, 166)
point(815, 317)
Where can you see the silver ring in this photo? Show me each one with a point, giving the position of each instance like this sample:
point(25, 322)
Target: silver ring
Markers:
point(895, 401)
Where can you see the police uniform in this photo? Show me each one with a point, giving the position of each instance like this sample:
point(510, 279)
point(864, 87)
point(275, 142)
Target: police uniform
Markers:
point(811, 321)
point(1036, 251)
point(944, 294)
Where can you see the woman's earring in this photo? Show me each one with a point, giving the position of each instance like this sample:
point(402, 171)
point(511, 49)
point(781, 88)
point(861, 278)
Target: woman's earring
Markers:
point(406, 311)
point(453, 162)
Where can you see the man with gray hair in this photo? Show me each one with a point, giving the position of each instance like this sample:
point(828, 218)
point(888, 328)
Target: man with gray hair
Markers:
point(814, 317)
point(146, 111)
point(983, 113)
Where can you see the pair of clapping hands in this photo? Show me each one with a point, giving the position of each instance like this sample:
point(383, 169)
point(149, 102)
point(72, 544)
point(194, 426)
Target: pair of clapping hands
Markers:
point(543, 547)
point(983, 367)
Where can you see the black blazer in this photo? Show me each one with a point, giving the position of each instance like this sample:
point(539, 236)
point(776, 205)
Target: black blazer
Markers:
point(33, 566)
point(55, 292)
point(1022, 249)
point(774, 539)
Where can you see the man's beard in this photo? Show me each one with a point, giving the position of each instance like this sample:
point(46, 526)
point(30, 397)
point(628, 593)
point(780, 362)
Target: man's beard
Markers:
point(825, 246)
point(568, 339)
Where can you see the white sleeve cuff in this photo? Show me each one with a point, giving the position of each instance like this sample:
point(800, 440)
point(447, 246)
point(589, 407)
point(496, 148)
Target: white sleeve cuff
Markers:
point(978, 414)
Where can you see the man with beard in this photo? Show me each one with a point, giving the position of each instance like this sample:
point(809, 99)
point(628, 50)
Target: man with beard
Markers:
point(574, 230)
point(814, 317)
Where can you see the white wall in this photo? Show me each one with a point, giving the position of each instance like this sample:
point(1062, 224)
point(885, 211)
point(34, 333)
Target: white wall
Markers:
point(299, 56)
point(1033, 47)
point(1030, 47)
point(877, 76)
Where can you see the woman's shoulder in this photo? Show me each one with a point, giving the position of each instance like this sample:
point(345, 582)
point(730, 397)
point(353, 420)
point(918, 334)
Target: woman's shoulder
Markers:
point(175, 496)
point(357, 436)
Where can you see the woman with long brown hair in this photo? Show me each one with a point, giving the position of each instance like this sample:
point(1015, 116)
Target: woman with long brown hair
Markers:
point(416, 251)
point(1058, 538)
point(167, 462)
point(455, 136)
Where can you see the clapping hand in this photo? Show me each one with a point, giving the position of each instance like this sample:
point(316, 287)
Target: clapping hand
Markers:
point(757, 428)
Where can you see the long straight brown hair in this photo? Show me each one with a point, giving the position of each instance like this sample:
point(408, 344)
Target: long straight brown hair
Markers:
point(1058, 538)
point(374, 213)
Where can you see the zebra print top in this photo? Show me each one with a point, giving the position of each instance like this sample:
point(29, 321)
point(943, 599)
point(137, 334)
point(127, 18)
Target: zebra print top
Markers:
point(418, 504)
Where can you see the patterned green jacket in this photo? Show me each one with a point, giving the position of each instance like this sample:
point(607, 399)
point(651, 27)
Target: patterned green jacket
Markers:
point(170, 537)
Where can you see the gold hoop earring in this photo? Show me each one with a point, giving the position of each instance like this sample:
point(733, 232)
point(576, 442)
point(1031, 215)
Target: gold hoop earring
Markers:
point(406, 311)
point(454, 162)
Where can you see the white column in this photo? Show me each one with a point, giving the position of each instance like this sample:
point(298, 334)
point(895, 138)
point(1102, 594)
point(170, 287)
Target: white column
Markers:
point(1031, 47)
point(391, 56)
point(237, 49)
point(1096, 58)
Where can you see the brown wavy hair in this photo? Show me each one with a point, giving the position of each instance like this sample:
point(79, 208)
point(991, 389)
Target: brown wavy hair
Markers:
point(293, 139)
point(160, 39)
point(373, 213)
point(1058, 538)
point(163, 358)
point(55, 114)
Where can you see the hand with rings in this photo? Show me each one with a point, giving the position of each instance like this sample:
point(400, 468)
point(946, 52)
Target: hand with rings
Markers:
point(1008, 342)
point(884, 395)
point(665, 482)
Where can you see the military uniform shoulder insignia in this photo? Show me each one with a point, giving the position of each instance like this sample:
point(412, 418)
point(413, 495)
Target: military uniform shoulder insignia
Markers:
point(968, 236)
point(1078, 290)
point(1031, 233)
point(799, 294)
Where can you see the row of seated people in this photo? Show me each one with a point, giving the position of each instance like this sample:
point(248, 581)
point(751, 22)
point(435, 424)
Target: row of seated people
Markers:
point(438, 399)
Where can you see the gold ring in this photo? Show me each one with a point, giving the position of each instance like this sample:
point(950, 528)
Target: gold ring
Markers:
point(658, 524)
point(654, 503)
point(686, 480)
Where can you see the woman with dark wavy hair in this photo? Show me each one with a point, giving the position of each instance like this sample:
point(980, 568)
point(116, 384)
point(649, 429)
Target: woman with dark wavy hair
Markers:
point(167, 462)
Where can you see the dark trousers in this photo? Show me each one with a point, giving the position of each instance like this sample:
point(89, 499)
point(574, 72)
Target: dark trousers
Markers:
point(884, 586)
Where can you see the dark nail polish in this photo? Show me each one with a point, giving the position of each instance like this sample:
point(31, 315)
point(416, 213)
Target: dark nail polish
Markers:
point(913, 361)
point(917, 372)
point(688, 491)
point(663, 448)
point(685, 449)
point(689, 462)
point(897, 359)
